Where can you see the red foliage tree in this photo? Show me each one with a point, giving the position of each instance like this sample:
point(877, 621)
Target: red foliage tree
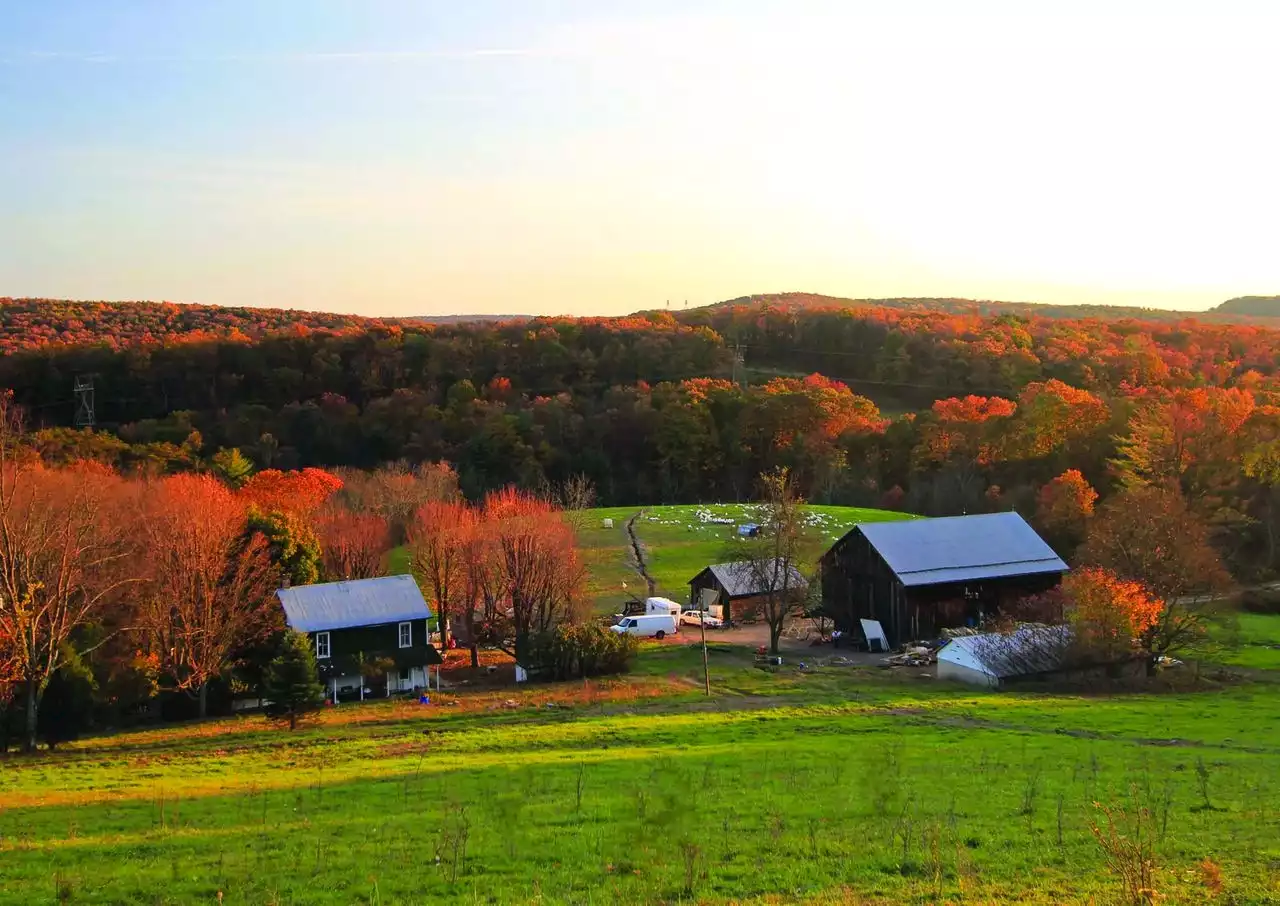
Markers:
point(210, 585)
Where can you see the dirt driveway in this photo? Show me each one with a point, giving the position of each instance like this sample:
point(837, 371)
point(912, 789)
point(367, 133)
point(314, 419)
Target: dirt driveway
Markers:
point(795, 645)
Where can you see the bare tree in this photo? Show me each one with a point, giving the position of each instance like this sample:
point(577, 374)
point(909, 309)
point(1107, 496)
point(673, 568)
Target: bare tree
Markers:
point(773, 559)
point(65, 550)
point(397, 491)
point(573, 497)
point(353, 545)
point(211, 582)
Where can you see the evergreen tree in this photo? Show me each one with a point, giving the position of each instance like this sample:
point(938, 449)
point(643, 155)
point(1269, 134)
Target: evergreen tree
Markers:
point(295, 549)
point(234, 467)
point(292, 687)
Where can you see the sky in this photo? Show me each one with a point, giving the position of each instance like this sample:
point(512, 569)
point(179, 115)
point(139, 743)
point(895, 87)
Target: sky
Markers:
point(599, 157)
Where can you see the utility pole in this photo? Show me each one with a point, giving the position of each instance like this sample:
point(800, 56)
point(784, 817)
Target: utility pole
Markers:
point(85, 416)
point(738, 362)
point(706, 671)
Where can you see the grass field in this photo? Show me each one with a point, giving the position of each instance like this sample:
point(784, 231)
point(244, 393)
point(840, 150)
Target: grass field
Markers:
point(1254, 642)
point(678, 541)
point(830, 785)
point(675, 543)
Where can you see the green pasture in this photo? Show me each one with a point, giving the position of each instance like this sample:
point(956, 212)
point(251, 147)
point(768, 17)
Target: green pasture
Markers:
point(1252, 640)
point(821, 785)
point(677, 542)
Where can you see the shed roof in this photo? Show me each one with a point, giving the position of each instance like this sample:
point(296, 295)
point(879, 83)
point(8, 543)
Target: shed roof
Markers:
point(360, 602)
point(960, 548)
point(1025, 651)
point(740, 580)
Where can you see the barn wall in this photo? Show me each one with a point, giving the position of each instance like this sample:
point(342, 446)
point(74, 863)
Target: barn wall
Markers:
point(858, 585)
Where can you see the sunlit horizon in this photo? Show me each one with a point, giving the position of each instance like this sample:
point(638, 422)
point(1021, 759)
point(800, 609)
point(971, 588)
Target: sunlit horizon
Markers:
point(607, 158)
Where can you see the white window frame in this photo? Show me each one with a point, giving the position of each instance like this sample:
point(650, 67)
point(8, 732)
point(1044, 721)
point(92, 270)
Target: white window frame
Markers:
point(405, 638)
point(323, 637)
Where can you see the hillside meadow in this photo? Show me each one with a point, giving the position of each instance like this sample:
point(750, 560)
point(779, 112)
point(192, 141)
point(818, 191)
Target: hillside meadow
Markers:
point(677, 542)
point(824, 785)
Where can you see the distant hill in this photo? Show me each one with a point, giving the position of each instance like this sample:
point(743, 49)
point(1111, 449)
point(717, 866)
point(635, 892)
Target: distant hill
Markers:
point(465, 319)
point(1254, 306)
point(1262, 310)
point(33, 323)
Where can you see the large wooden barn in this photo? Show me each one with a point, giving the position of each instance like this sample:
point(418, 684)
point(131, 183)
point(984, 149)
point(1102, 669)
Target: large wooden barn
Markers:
point(921, 576)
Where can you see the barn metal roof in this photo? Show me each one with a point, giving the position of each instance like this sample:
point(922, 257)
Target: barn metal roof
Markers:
point(739, 580)
point(1026, 651)
point(960, 548)
point(360, 602)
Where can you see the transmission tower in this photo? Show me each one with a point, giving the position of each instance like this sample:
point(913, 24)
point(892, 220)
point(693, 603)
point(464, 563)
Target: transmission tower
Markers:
point(85, 417)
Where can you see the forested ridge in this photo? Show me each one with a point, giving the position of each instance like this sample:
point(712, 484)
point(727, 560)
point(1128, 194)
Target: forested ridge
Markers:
point(919, 408)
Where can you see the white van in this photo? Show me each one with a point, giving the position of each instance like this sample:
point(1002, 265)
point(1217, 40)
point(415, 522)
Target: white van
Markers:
point(654, 626)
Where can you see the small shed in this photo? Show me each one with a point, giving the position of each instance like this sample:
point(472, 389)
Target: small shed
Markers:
point(734, 591)
point(994, 659)
point(355, 623)
point(921, 576)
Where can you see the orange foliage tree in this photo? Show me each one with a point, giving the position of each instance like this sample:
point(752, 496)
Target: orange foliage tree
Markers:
point(1063, 508)
point(1054, 416)
point(805, 419)
point(1109, 616)
point(352, 545)
point(302, 492)
point(1189, 438)
point(441, 540)
point(1150, 535)
point(965, 428)
point(539, 570)
point(210, 584)
point(66, 551)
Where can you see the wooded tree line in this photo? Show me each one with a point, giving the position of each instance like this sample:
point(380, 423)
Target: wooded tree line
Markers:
point(1004, 407)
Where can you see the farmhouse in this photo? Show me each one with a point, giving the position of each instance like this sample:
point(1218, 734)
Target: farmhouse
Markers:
point(921, 576)
point(370, 635)
point(734, 591)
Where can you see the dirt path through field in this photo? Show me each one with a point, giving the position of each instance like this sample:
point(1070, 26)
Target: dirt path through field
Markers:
point(637, 554)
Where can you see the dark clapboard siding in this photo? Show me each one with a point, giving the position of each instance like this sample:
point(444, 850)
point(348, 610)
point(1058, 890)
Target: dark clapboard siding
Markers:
point(345, 646)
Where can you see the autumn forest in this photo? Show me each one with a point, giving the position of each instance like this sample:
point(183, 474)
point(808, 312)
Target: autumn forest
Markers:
point(916, 408)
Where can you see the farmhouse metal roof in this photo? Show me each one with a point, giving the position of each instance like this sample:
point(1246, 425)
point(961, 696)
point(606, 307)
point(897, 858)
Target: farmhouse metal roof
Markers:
point(1026, 651)
point(959, 548)
point(360, 602)
point(739, 580)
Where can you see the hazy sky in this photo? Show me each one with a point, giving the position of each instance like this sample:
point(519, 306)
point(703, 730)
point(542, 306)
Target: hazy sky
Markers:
point(537, 156)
